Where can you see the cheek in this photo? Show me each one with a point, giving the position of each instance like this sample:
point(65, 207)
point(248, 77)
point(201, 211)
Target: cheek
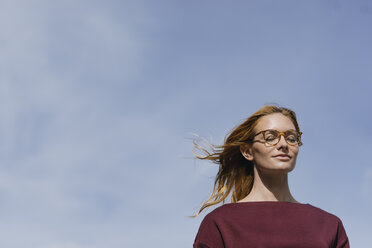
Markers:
point(295, 152)
point(261, 153)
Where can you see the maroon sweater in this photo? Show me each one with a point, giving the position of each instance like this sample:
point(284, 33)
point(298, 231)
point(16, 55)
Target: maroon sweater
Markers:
point(270, 224)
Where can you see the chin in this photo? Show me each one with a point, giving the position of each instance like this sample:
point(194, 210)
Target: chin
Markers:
point(283, 167)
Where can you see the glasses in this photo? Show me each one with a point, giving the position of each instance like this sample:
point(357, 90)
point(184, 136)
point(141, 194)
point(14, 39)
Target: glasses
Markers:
point(272, 137)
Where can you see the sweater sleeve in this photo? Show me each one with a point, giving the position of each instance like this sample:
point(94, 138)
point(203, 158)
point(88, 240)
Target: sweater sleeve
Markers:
point(209, 235)
point(342, 240)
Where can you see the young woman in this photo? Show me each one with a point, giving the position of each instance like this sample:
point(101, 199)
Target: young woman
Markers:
point(254, 163)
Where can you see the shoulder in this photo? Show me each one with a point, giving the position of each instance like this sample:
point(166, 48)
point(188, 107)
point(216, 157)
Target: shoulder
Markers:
point(221, 212)
point(320, 213)
point(214, 219)
point(209, 234)
point(333, 225)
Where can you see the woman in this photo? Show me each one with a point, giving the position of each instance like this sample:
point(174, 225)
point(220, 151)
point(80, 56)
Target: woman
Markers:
point(254, 163)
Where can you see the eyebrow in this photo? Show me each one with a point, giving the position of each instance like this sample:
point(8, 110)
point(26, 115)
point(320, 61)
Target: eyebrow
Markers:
point(290, 130)
point(272, 129)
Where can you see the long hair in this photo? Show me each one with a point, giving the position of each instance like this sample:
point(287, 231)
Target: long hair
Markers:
point(235, 174)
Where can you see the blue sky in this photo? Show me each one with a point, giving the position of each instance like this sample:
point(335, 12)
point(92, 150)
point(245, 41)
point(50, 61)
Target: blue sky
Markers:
point(99, 99)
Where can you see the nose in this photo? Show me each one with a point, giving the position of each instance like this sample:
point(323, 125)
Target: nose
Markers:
point(282, 143)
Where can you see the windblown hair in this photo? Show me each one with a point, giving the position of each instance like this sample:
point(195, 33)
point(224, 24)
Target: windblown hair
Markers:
point(235, 174)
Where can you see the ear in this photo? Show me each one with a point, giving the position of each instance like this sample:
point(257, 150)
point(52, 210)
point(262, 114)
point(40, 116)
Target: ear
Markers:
point(246, 151)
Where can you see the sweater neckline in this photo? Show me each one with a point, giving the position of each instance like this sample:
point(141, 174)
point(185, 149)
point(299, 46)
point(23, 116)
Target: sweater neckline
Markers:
point(271, 203)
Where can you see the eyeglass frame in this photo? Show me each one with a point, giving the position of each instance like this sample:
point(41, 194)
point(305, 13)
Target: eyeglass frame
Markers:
point(280, 134)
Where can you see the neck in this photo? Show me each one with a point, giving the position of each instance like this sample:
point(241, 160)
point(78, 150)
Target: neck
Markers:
point(270, 187)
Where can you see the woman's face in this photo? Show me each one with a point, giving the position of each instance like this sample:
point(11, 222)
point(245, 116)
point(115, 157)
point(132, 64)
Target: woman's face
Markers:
point(280, 157)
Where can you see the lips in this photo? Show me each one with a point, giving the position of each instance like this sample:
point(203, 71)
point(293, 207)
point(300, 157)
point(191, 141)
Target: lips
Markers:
point(282, 156)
